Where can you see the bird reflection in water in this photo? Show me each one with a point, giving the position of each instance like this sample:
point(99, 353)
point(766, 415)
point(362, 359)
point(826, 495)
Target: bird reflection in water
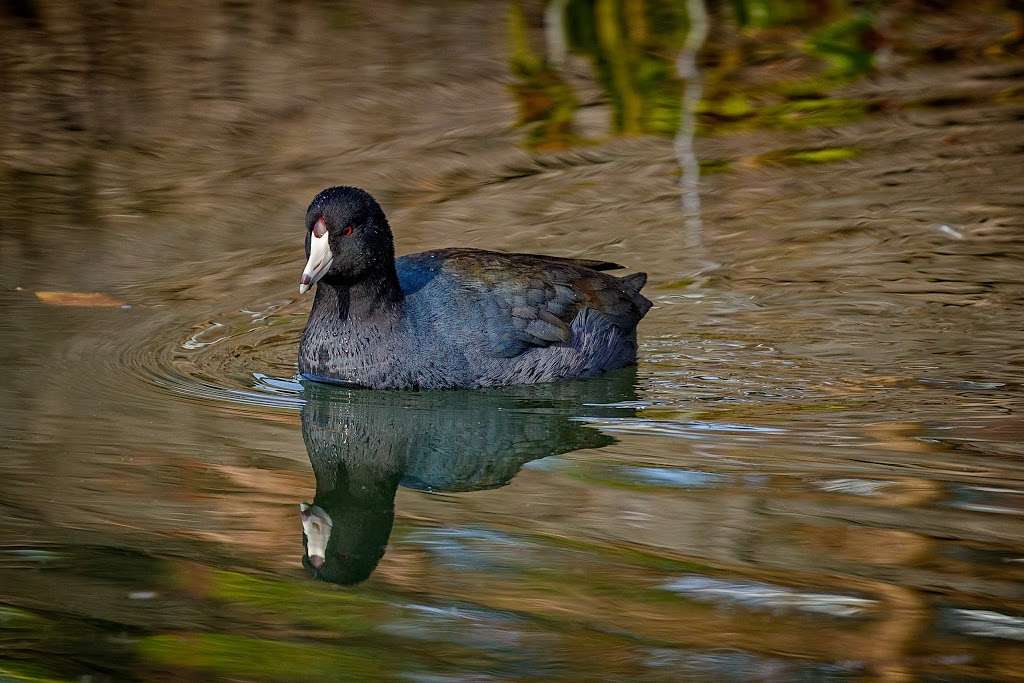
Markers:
point(364, 444)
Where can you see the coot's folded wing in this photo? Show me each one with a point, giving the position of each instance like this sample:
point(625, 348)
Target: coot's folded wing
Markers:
point(527, 300)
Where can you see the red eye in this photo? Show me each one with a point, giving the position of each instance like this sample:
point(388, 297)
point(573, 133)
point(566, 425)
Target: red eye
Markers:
point(320, 227)
point(346, 231)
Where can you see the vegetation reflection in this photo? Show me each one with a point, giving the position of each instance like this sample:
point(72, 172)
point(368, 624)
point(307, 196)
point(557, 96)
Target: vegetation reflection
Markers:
point(802, 50)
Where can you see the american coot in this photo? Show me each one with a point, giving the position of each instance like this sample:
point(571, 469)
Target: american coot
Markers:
point(453, 317)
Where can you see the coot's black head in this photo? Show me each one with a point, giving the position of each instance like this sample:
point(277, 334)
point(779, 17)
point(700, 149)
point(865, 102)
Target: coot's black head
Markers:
point(344, 543)
point(347, 238)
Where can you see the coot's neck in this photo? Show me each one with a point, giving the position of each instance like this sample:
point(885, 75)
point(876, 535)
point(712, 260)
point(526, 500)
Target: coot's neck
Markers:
point(375, 297)
point(350, 485)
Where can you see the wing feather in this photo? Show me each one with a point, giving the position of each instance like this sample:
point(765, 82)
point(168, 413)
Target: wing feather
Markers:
point(528, 300)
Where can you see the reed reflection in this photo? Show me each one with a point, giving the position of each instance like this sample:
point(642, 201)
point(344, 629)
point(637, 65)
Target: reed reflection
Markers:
point(363, 445)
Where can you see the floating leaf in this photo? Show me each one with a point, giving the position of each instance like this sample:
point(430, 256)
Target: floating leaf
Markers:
point(823, 156)
point(85, 299)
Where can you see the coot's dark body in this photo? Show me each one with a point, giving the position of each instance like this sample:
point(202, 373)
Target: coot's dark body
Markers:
point(454, 317)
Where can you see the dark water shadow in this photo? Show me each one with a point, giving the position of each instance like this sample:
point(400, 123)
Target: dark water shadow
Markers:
point(363, 445)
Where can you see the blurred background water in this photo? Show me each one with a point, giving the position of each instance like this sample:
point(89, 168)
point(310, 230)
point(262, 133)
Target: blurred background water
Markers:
point(814, 473)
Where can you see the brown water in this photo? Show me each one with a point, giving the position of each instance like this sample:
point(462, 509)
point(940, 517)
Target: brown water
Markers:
point(815, 472)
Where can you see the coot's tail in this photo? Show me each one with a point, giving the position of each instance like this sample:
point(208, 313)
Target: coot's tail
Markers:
point(632, 284)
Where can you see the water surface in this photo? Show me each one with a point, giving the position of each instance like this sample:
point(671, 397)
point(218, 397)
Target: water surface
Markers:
point(814, 473)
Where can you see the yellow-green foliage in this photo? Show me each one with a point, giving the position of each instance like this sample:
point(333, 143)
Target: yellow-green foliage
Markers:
point(296, 602)
point(262, 659)
point(22, 671)
point(796, 157)
point(821, 156)
point(545, 100)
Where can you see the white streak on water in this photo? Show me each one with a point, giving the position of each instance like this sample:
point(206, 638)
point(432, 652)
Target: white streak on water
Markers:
point(686, 67)
point(979, 622)
point(765, 596)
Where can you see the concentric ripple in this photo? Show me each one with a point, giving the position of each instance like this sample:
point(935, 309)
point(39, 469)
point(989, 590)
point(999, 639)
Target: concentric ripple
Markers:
point(243, 356)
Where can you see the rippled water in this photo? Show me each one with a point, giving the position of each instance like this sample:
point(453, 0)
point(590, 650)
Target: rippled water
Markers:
point(814, 473)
